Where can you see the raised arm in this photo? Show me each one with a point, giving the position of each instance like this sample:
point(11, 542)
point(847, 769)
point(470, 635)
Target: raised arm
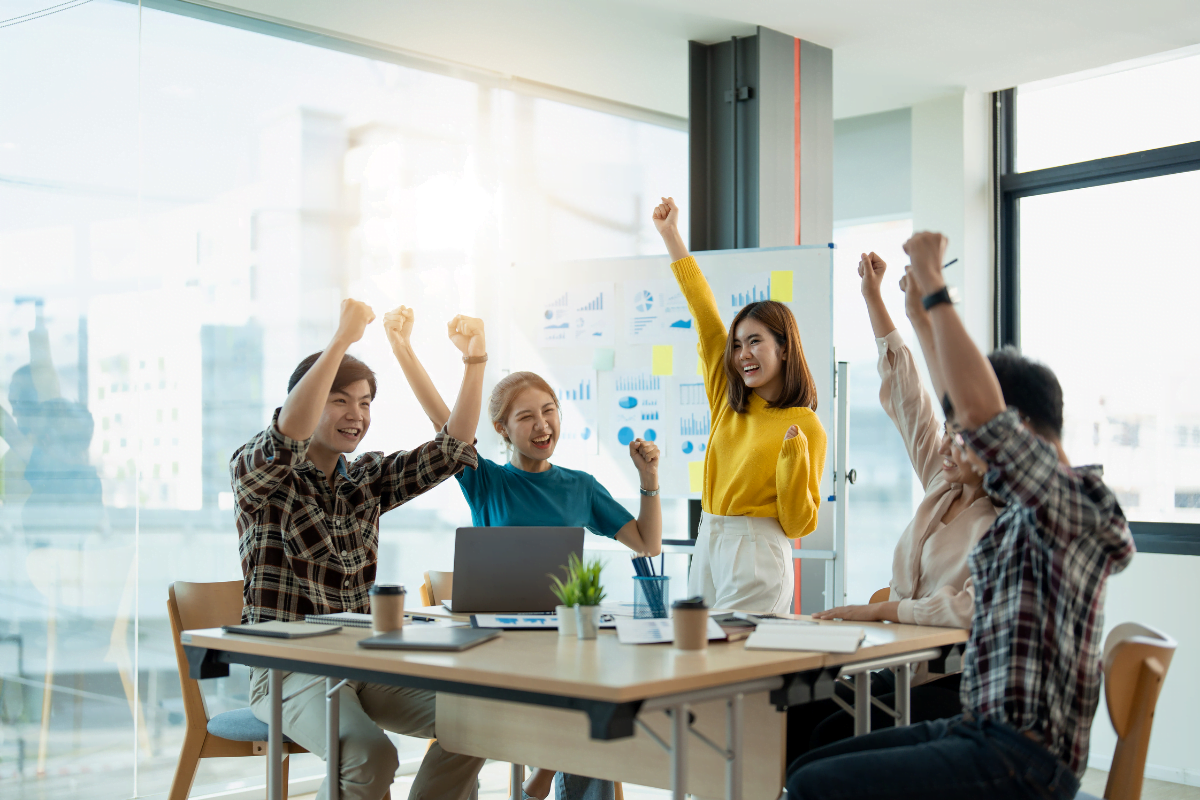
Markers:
point(903, 397)
point(302, 409)
point(644, 534)
point(467, 335)
point(398, 325)
point(871, 268)
point(965, 372)
point(701, 302)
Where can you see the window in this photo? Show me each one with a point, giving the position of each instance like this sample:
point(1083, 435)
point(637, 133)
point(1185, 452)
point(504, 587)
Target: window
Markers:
point(191, 273)
point(1099, 270)
point(883, 498)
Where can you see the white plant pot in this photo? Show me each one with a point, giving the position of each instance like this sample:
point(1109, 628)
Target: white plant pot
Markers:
point(566, 620)
point(587, 621)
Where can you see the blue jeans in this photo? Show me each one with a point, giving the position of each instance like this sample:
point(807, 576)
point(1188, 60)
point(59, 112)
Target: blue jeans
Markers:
point(946, 758)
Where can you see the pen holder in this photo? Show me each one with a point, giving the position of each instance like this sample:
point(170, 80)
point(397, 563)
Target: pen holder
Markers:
point(650, 596)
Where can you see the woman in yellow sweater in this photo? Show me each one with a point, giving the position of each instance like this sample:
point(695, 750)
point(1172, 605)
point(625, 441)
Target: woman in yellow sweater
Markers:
point(766, 448)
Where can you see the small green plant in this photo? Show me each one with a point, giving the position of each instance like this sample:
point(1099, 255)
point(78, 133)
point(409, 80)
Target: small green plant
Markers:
point(582, 586)
point(568, 592)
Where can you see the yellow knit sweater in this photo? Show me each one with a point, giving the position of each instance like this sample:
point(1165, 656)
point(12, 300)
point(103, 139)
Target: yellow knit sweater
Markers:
point(749, 470)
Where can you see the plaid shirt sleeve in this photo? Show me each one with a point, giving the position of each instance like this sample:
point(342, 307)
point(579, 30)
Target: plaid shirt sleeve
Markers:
point(407, 473)
point(1024, 469)
point(262, 463)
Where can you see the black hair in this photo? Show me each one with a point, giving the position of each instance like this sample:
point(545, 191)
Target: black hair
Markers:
point(1032, 388)
point(349, 371)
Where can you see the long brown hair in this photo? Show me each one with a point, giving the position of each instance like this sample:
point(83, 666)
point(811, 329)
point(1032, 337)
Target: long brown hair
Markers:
point(506, 391)
point(799, 391)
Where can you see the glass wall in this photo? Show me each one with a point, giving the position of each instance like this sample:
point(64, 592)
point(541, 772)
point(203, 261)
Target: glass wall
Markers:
point(182, 208)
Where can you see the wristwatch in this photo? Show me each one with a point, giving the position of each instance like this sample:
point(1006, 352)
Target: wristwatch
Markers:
point(648, 492)
point(475, 359)
point(937, 298)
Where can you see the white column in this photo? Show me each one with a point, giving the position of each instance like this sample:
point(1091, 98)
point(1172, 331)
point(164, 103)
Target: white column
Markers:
point(951, 193)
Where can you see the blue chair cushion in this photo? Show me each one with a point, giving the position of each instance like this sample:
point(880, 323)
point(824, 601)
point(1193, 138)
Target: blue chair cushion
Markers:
point(1086, 796)
point(239, 726)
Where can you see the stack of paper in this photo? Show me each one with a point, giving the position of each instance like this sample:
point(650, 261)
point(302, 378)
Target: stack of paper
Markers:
point(656, 631)
point(816, 638)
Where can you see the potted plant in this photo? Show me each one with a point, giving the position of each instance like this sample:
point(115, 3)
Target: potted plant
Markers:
point(591, 593)
point(568, 597)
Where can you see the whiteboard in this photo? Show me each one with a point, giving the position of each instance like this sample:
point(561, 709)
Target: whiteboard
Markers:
point(564, 320)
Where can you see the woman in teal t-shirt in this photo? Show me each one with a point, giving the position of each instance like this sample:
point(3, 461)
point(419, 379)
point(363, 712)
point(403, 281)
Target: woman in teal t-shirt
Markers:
point(530, 491)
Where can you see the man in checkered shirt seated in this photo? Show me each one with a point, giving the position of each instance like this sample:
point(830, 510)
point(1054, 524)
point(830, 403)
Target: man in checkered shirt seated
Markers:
point(1031, 671)
point(308, 524)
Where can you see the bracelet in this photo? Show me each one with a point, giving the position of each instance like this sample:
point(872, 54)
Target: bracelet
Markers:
point(937, 298)
point(475, 359)
point(648, 492)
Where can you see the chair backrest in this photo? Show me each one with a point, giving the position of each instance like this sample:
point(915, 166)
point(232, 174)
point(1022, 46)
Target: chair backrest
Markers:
point(882, 595)
point(438, 586)
point(199, 605)
point(1136, 659)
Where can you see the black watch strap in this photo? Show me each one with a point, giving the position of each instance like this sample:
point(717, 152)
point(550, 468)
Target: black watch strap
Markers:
point(942, 295)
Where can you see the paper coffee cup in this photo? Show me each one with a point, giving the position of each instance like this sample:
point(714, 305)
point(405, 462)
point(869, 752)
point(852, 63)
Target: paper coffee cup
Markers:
point(690, 620)
point(387, 607)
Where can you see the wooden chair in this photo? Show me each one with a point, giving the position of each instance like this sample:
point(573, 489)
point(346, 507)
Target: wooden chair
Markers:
point(881, 596)
point(438, 586)
point(233, 734)
point(1136, 659)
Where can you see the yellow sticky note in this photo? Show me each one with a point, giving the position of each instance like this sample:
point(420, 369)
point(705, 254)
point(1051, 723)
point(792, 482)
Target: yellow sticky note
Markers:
point(663, 362)
point(695, 476)
point(781, 285)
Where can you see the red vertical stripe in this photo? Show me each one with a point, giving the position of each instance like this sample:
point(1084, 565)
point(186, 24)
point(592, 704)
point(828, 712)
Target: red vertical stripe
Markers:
point(796, 172)
point(796, 128)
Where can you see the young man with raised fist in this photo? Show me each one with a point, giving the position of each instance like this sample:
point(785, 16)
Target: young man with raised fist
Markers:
point(1031, 671)
point(308, 522)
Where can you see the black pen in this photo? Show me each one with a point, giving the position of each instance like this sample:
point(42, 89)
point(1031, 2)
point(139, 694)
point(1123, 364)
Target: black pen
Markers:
point(949, 263)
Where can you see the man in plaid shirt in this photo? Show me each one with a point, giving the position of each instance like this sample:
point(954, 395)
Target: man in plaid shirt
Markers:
point(308, 525)
point(1031, 672)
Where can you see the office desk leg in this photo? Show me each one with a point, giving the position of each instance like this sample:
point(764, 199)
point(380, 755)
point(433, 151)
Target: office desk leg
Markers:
point(516, 792)
point(333, 755)
point(862, 703)
point(679, 737)
point(275, 736)
point(903, 694)
point(733, 737)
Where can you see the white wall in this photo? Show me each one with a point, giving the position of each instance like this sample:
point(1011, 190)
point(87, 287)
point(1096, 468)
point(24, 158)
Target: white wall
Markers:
point(1157, 590)
point(872, 166)
point(951, 193)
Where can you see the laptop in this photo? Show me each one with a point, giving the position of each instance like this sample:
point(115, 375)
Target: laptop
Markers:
point(507, 570)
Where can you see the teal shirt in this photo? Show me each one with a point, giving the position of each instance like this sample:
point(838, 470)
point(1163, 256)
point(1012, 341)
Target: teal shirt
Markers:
point(502, 495)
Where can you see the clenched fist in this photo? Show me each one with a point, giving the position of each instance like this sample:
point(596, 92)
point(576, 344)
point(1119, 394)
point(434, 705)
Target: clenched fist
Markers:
point(467, 335)
point(355, 317)
point(398, 325)
point(645, 458)
point(666, 215)
point(871, 268)
point(926, 251)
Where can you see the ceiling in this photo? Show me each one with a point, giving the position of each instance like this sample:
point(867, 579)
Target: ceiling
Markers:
point(887, 54)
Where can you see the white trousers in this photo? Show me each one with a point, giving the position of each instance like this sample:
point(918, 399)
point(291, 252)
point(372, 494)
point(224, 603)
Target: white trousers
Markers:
point(743, 563)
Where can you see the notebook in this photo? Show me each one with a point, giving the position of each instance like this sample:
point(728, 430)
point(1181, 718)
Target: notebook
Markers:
point(813, 638)
point(282, 630)
point(431, 638)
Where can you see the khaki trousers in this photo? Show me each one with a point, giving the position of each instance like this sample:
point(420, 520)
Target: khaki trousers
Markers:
point(368, 758)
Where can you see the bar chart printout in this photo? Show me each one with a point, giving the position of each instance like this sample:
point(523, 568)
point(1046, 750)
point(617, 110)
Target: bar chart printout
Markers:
point(694, 419)
point(580, 316)
point(638, 408)
point(579, 407)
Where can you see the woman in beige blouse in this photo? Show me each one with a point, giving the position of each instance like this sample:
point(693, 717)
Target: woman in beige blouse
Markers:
point(931, 578)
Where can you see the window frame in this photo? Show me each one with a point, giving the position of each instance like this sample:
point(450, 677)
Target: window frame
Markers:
point(1175, 538)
